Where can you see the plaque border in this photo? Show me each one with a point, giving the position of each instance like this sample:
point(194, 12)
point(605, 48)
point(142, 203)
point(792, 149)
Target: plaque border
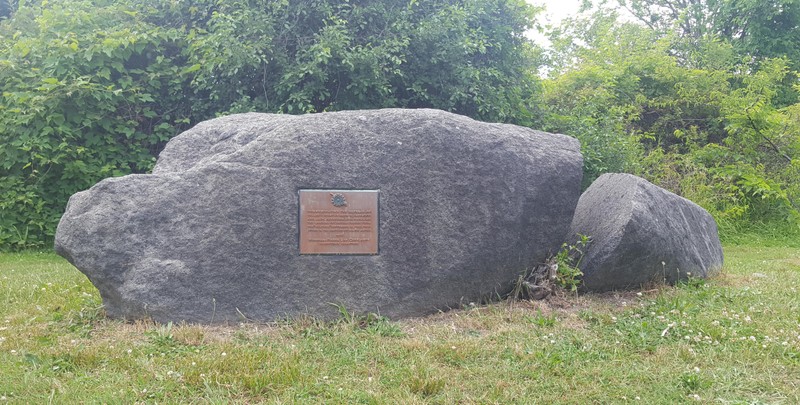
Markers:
point(377, 192)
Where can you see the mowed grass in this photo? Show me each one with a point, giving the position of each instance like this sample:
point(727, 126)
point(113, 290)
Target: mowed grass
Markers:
point(731, 339)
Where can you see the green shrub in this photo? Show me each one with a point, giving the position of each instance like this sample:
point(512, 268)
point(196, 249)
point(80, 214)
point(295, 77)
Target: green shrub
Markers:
point(95, 88)
point(83, 94)
point(568, 275)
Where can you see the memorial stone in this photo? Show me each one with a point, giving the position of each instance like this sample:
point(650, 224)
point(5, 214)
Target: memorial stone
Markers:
point(260, 217)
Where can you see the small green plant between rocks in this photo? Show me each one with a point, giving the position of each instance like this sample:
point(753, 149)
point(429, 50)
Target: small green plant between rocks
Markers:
point(558, 272)
point(568, 259)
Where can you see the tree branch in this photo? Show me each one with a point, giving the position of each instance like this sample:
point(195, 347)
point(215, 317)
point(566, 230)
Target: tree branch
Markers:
point(774, 147)
point(766, 138)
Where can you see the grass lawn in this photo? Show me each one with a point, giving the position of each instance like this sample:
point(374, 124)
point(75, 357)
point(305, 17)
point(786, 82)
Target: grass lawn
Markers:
point(732, 339)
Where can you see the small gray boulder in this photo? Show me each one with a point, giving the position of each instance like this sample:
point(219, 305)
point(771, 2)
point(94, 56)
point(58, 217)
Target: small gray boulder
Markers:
point(641, 234)
point(213, 234)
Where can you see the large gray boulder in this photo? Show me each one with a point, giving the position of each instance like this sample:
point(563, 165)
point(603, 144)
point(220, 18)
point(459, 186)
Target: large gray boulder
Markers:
point(641, 234)
point(464, 207)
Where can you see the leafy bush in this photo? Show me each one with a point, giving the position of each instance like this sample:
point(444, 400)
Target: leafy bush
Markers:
point(95, 88)
point(709, 125)
point(84, 96)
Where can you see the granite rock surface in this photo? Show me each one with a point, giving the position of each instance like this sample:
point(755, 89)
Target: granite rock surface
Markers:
point(642, 234)
point(212, 234)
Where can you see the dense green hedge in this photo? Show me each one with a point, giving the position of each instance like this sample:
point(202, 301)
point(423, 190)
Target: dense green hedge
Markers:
point(695, 100)
point(88, 92)
point(93, 89)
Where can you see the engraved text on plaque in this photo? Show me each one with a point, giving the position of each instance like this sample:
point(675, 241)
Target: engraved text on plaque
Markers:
point(339, 222)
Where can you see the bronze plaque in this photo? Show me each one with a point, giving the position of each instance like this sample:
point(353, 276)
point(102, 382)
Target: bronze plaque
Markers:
point(338, 222)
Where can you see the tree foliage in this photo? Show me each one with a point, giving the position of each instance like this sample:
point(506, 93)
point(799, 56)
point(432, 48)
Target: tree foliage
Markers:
point(94, 88)
point(708, 124)
point(302, 56)
point(88, 92)
point(698, 96)
point(757, 28)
